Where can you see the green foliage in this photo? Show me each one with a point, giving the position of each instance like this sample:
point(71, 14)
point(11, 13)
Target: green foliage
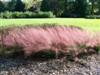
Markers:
point(93, 16)
point(97, 48)
point(19, 6)
point(44, 15)
point(61, 8)
point(80, 8)
point(10, 6)
point(27, 14)
point(56, 6)
point(69, 9)
point(11, 51)
point(32, 5)
point(14, 5)
point(2, 6)
point(44, 54)
point(6, 15)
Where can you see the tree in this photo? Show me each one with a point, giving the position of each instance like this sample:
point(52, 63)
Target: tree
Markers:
point(56, 6)
point(32, 5)
point(19, 5)
point(10, 6)
point(81, 8)
point(92, 6)
point(2, 6)
point(99, 6)
point(69, 8)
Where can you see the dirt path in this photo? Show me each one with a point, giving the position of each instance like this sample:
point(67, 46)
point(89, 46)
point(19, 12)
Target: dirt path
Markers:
point(18, 66)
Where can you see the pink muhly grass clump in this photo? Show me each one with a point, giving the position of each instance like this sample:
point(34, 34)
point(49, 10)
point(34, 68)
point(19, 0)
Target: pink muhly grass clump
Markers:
point(56, 38)
point(95, 41)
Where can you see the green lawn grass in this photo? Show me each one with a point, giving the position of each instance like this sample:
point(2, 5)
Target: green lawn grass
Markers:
point(89, 24)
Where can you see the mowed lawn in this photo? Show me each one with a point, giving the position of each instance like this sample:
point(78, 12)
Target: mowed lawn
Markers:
point(89, 24)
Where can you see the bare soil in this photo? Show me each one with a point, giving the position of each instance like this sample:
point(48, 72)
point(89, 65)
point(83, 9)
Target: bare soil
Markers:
point(86, 65)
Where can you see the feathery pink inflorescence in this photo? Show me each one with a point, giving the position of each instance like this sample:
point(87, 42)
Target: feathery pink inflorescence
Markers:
point(55, 38)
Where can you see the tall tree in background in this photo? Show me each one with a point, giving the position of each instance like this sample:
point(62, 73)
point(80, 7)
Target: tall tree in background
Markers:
point(56, 6)
point(61, 8)
point(69, 8)
point(2, 6)
point(99, 6)
point(45, 5)
point(95, 6)
point(32, 5)
point(10, 6)
point(19, 5)
point(92, 6)
point(81, 8)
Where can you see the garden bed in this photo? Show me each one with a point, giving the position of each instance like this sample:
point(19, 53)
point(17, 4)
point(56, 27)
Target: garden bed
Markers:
point(49, 50)
point(86, 65)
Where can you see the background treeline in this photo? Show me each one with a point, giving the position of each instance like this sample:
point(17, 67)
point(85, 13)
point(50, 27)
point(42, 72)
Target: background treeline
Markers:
point(49, 8)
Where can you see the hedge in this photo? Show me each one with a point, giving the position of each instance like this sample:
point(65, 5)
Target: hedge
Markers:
point(93, 17)
point(26, 14)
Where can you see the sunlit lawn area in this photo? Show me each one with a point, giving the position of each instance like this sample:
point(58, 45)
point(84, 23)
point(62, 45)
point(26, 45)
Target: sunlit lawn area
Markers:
point(89, 24)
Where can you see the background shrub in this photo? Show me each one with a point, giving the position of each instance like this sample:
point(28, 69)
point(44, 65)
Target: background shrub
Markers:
point(93, 16)
point(26, 14)
point(6, 15)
